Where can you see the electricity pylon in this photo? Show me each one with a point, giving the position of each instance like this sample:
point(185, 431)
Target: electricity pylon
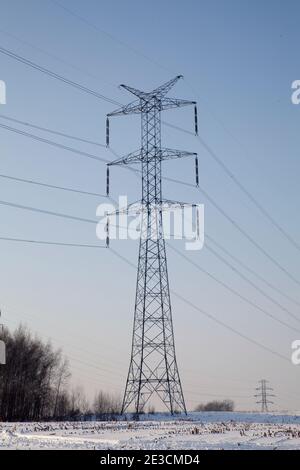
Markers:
point(264, 395)
point(153, 366)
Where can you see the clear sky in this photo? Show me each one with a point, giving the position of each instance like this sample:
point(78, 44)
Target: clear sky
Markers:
point(239, 58)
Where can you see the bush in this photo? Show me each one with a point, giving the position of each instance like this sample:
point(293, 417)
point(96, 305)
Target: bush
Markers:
point(225, 405)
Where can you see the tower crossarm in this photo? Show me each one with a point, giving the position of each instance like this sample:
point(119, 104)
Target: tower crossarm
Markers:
point(164, 89)
point(169, 154)
point(138, 156)
point(133, 157)
point(265, 401)
point(137, 107)
point(133, 208)
point(136, 208)
point(177, 204)
point(131, 108)
point(171, 103)
point(158, 92)
point(142, 95)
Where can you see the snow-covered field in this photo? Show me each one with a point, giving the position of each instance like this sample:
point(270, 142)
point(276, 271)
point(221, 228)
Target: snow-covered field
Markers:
point(196, 431)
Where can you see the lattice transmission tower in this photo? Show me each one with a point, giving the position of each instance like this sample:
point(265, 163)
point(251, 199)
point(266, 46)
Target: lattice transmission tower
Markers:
point(264, 395)
point(153, 366)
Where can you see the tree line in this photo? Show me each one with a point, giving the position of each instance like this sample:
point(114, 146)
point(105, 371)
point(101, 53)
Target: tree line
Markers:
point(216, 405)
point(35, 384)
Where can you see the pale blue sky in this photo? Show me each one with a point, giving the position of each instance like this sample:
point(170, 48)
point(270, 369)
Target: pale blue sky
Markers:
point(239, 59)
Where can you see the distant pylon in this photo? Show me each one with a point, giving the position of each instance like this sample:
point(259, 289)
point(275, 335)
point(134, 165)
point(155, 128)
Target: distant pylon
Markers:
point(264, 395)
point(153, 366)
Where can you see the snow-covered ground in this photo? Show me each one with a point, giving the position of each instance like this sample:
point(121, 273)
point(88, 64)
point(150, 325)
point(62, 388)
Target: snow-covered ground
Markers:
point(196, 431)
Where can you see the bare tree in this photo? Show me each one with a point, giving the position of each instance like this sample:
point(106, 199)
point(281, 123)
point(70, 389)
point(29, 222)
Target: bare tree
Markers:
point(28, 381)
point(78, 402)
point(61, 379)
point(106, 404)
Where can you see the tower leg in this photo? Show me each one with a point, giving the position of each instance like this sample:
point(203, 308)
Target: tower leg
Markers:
point(153, 366)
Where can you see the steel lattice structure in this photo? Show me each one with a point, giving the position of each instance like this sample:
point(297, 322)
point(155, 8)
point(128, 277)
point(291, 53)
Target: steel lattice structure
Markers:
point(264, 394)
point(153, 366)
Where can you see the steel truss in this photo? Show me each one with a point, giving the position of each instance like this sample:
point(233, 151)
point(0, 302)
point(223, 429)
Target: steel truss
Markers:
point(153, 366)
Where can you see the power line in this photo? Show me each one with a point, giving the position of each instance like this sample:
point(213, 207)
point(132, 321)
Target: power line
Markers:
point(55, 57)
point(80, 219)
point(100, 374)
point(218, 160)
point(233, 330)
point(55, 214)
point(79, 341)
point(250, 196)
point(97, 369)
point(88, 364)
point(70, 149)
point(242, 187)
point(101, 195)
point(43, 211)
point(51, 74)
point(214, 203)
point(277, 227)
point(51, 131)
point(239, 228)
point(209, 150)
point(53, 143)
point(251, 283)
point(51, 186)
point(211, 317)
point(32, 316)
point(51, 243)
point(102, 31)
point(236, 293)
point(91, 246)
point(251, 271)
point(216, 395)
point(249, 238)
point(93, 377)
point(136, 171)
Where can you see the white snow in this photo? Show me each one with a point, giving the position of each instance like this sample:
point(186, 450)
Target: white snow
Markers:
point(162, 431)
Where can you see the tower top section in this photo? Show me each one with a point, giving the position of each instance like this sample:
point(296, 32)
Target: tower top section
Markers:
point(155, 98)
